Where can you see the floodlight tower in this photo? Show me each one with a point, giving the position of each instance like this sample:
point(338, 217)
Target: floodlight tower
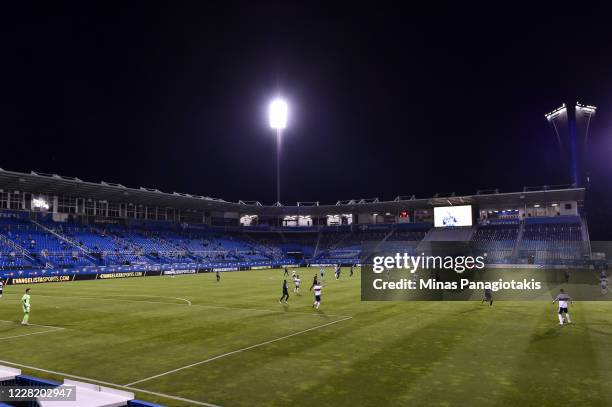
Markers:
point(278, 121)
point(572, 126)
point(584, 115)
point(558, 119)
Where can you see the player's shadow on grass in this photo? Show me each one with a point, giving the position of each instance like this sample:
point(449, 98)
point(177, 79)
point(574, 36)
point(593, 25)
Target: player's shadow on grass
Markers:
point(547, 334)
point(478, 307)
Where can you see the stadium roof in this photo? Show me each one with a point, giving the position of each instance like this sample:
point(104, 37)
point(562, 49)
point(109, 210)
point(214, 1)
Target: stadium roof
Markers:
point(53, 184)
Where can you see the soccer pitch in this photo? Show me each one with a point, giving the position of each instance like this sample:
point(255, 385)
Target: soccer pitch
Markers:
point(192, 341)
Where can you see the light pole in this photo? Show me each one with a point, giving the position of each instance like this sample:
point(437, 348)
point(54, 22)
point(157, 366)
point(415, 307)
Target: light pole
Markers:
point(278, 121)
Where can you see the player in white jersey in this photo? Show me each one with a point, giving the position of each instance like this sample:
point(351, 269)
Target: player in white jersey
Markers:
point(563, 299)
point(1, 288)
point(297, 280)
point(317, 293)
point(603, 280)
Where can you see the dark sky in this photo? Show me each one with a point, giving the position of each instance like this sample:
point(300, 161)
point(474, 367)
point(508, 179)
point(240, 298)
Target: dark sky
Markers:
point(384, 101)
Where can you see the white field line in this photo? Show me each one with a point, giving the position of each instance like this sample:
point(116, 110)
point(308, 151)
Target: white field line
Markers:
point(53, 329)
point(168, 396)
point(193, 305)
point(44, 326)
point(236, 351)
point(32, 333)
point(185, 300)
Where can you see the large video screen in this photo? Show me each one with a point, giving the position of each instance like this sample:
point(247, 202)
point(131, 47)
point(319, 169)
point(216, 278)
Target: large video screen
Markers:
point(447, 216)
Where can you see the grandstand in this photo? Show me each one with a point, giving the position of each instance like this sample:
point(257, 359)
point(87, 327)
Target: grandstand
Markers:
point(93, 228)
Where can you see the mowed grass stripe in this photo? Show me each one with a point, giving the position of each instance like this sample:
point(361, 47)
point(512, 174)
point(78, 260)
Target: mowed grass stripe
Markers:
point(559, 363)
point(477, 353)
point(312, 368)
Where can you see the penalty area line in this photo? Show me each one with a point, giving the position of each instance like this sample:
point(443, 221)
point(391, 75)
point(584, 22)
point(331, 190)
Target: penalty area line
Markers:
point(87, 379)
point(32, 333)
point(178, 369)
point(53, 329)
point(44, 326)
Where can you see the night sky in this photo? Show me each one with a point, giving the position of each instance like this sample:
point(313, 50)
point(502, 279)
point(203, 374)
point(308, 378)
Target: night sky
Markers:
point(383, 101)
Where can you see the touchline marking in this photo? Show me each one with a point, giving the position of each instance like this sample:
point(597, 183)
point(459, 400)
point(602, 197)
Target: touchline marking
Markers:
point(168, 396)
point(236, 351)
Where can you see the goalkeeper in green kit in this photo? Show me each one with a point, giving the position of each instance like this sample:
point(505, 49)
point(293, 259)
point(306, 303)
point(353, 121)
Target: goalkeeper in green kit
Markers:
point(25, 303)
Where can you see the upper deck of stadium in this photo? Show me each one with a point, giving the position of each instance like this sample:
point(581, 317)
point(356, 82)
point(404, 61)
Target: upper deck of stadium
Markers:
point(74, 192)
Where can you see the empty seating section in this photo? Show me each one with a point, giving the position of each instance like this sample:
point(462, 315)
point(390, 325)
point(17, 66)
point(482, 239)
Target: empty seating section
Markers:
point(344, 246)
point(10, 258)
point(44, 247)
point(26, 244)
point(497, 241)
point(302, 242)
point(553, 240)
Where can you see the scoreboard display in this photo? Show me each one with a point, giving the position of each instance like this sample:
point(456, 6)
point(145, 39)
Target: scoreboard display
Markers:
point(453, 216)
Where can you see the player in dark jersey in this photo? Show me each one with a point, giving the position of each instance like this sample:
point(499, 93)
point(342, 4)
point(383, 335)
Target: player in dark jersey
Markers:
point(488, 296)
point(314, 282)
point(218, 275)
point(285, 296)
point(603, 281)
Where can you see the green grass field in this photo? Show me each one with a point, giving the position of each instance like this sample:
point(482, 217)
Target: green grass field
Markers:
point(232, 344)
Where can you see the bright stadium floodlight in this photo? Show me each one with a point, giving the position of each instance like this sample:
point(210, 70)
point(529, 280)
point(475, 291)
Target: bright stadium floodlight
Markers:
point(278, 120)
point(278, 114)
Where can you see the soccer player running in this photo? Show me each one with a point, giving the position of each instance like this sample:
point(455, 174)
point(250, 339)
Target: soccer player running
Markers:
point(322, 271)
point(25, 303)
point(317, 294)
point(218, 276)
point(603, 280)
point(285, 296)
point(297, 280)
point(286, 271)
point(563, 299)
point(1, 288)
point(314, 282)
point(488, 296)
point(351, 272)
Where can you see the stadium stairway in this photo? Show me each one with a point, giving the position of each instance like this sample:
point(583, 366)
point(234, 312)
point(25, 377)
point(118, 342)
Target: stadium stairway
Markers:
point(67, 240)
point(316, 250)
point(337, 244)
point(18, 248)
point(585, 235)
point(26, 254)
point(519, 239)
point(384, 239)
